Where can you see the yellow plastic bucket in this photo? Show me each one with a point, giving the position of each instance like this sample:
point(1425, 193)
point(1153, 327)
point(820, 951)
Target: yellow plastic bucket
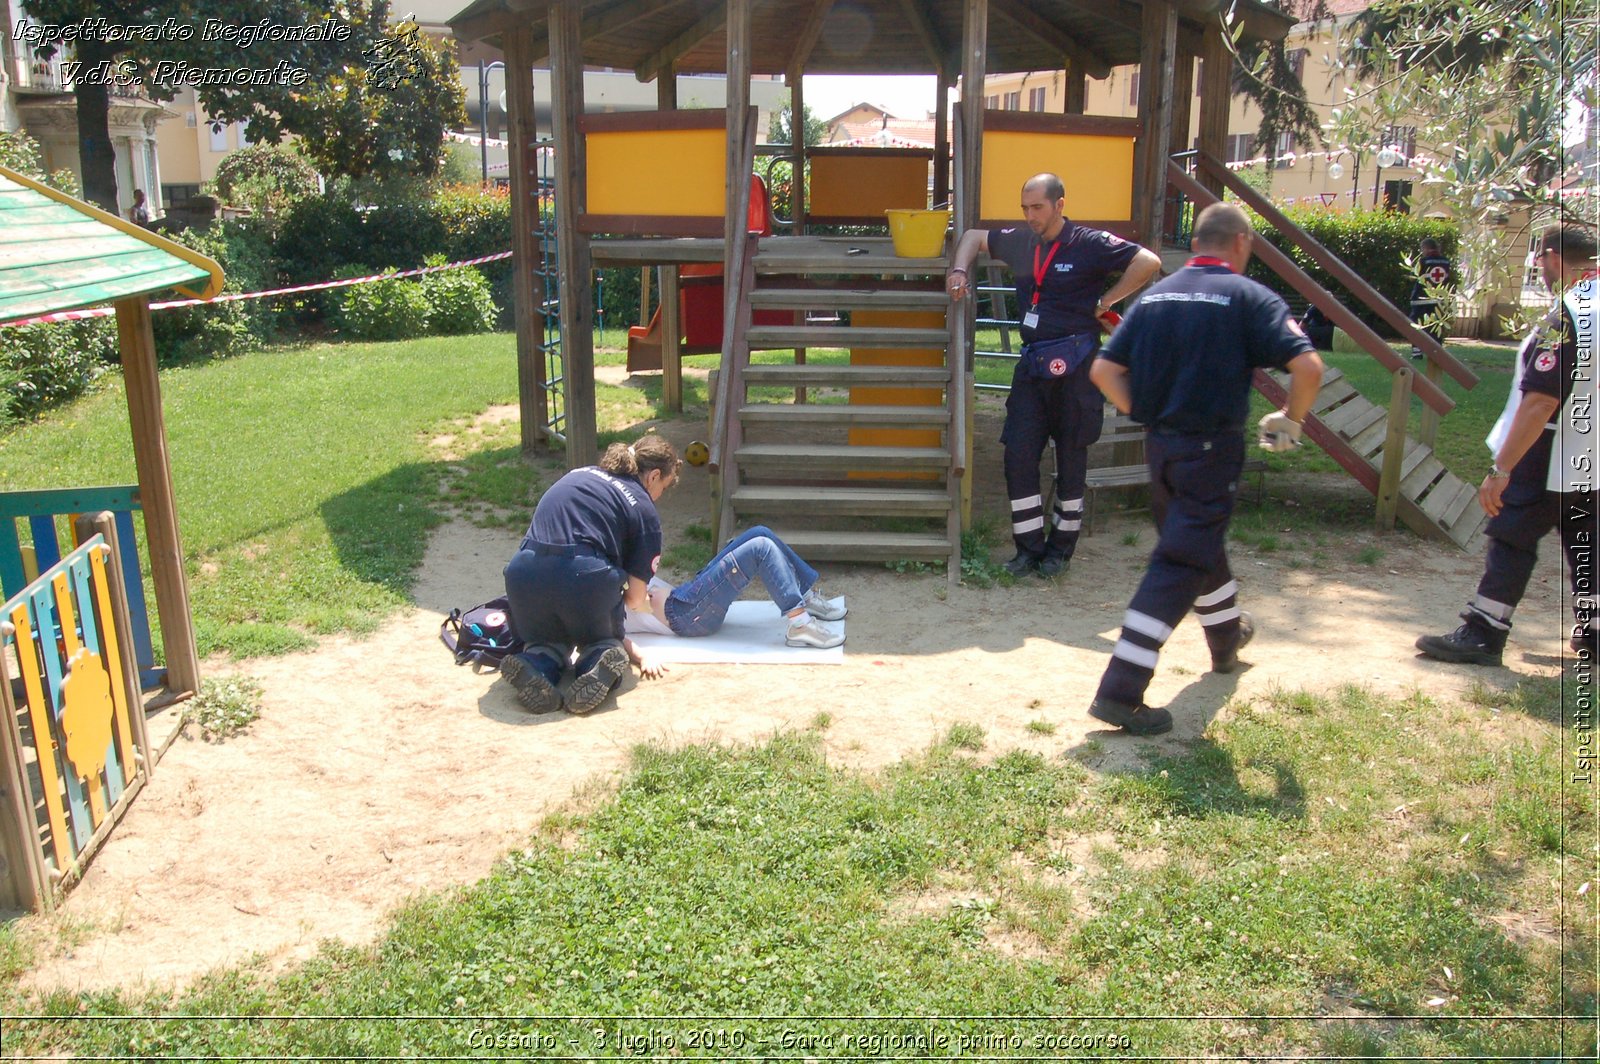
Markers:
point(918, 234)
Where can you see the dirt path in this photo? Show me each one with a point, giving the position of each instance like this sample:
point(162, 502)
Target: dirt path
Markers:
point(379, 769)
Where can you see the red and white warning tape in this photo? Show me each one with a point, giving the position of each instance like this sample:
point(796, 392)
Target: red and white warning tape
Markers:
point(229, 297)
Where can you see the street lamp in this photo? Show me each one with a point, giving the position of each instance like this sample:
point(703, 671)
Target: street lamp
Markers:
point(483, 114)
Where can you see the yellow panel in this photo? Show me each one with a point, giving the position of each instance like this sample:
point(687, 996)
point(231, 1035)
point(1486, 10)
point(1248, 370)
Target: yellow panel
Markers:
point(682, 172)
point(858, 186)
point(1097, 172)
point(886, 396)
point(100, 580)
point(86, 715)
point(43, 735)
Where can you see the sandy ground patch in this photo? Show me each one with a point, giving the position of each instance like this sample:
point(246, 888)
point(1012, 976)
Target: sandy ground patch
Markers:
point(379, 769)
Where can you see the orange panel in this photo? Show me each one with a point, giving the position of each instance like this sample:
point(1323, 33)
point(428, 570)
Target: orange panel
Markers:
point(858, 186)
point(887, 396)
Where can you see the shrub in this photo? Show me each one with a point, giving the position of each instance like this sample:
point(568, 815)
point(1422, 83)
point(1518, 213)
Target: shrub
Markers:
point(266, 178)
point(1378, 245)
point(43, 366)
point(478, 222)
point(20, 152)
point(217, 330)
point(458, 300)
point(381, 310)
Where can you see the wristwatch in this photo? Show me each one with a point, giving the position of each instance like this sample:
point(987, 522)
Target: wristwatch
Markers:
point(1496, 473)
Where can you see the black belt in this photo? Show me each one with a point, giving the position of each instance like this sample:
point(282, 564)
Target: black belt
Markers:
point(566, 550)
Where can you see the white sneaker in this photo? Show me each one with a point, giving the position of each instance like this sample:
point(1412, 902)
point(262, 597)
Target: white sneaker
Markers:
point(821, 608)
point(813, 634)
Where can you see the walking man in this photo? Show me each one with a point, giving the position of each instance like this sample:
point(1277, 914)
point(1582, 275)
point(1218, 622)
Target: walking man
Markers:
point(1180, 365)
point(1061, 271)
point(1544, 463)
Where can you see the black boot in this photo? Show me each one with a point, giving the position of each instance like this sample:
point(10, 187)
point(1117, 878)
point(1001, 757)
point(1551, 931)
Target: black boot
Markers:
point(1467, 645)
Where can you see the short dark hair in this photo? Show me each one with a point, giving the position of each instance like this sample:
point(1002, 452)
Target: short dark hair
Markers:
point(1573, 242)
point(1430, 245)
point(1217, 225)
point(1051, 184)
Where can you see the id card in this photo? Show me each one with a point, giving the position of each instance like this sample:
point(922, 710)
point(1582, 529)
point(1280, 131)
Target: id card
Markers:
point(1030, 320)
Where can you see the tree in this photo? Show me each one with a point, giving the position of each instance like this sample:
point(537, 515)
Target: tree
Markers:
point(1268, 76)
point(267, 178)
point(1488, 86)
point(782, 129)
point(283, 66)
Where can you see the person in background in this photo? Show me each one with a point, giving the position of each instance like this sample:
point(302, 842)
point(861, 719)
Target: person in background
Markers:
point(139, 213)
point(1435, 274)
point(590, 550)
point(1543, 473)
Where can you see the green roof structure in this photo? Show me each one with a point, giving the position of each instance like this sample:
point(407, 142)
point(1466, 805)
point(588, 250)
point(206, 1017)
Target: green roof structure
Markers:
point(59, 253)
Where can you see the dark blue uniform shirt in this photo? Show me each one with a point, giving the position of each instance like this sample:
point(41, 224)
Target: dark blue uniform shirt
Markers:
point(613, 515)
point(1191, 342)
point(1074, 280)
point(1436, 270)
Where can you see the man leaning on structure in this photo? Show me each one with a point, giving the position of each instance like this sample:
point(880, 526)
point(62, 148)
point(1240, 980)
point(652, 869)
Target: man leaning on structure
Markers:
point(1061, 271)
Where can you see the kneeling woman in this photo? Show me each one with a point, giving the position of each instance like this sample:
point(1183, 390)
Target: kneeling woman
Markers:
point(699, 607)
point(593, 544)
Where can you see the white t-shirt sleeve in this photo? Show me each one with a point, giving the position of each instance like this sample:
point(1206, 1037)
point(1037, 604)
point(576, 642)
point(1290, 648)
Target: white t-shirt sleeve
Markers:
point(644, 624)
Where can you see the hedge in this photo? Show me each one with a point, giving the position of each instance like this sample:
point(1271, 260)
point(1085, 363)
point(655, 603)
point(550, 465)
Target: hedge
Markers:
point(1378, 245)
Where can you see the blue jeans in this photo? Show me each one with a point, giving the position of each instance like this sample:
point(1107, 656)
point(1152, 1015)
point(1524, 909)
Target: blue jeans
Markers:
point(698, 607)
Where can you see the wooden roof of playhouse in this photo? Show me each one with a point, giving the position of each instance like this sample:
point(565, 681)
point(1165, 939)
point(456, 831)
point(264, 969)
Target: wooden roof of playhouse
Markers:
point(59, 253)
point(859, 37)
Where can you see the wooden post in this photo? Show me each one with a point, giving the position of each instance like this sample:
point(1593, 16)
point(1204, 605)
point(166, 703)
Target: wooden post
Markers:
point(577, 262)
point(1159, 46)
point(667, 89)
point(974, 56)
point(527, 262)
point(1075, 92)
point(797, 158)
point(1216, 98)
point(671, 340)
point(150, 458)
point(941, 136)
point(1394, 449)
point(644, 297)
point(1428, 425)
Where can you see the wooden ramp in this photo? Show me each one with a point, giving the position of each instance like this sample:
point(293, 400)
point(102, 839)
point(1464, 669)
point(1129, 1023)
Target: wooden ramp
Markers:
point(1353, 430)
point(865, 462)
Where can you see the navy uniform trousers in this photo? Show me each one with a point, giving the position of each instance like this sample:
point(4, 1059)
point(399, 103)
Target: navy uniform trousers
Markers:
point(1529, 512)
point(1071, 411)
point(1194, 481)
point(564, 598)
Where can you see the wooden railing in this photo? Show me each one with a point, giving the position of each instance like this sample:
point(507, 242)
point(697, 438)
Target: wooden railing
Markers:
point(1405, 382)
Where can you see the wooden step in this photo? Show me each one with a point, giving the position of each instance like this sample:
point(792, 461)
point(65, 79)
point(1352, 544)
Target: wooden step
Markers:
point(849, 299)
point(831, 256)
point(807, 501)
point(844, 414)
point(868, 546)
point(770, 336)
point(787, 375)
point(837, 457)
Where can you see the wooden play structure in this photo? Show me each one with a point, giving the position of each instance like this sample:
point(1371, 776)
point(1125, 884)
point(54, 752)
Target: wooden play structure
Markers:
point(76, 647)
point(883, 474)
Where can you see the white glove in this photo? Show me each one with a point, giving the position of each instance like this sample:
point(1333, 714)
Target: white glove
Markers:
point(1279, 432)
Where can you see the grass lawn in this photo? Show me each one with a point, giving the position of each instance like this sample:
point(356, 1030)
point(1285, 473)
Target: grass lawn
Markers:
point(1312, 855)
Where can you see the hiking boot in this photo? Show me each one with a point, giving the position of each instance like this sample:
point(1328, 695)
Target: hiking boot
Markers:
point(1135, 720)
point(1023, 564)
point(537, 694)
point(1229, 661)
point(1464, 646)
point(813, 634)
point(821, 608)
point(595, 683)
point(1052, 565)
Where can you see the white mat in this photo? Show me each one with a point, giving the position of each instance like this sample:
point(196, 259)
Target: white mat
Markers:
point(752, 634)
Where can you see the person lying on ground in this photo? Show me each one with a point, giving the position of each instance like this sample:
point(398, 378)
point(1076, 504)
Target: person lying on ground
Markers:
point(699, 607)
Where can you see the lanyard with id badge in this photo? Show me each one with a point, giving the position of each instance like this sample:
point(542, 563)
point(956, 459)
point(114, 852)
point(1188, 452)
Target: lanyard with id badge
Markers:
point(1030, 320)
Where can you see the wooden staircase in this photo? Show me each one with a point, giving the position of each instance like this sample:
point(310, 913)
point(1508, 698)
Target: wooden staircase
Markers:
point(866, 463)
point(1354, 431)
